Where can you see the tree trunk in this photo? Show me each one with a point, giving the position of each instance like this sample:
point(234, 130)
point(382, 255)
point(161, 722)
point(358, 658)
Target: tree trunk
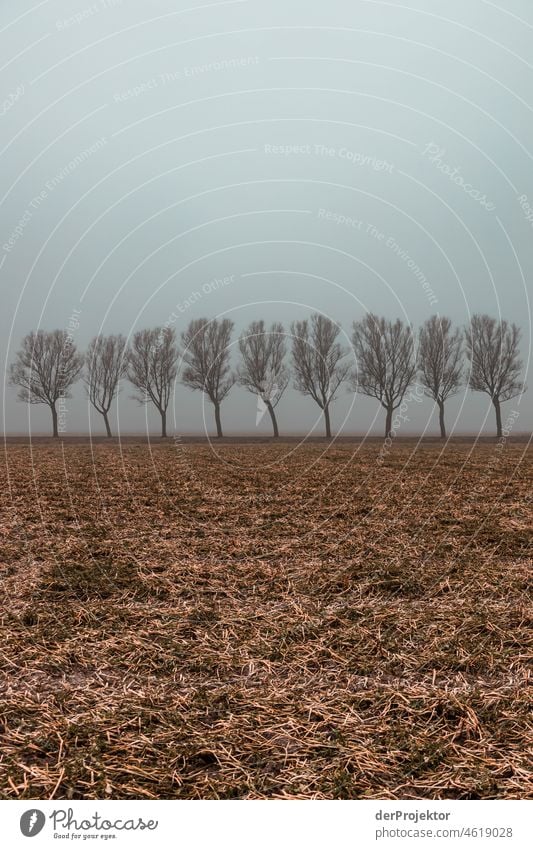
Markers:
point(327, 421)
point(217, 420)
point(107, 427)
point(497, 407)
point(388, 421)
point(441, 420)
point(163, 423)
point(54, 421)
point(273, 418)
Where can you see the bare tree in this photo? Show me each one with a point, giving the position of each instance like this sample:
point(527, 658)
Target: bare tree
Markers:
point(46, 367)
point(106, 364)
point(206, 354)
point(152, 365)
point(317, 361)
point(386, 364)
point(440, 362)
point(492, 348)
point(262, 370)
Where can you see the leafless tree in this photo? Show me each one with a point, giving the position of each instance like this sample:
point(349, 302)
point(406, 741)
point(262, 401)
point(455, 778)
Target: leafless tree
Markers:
point(105, 366)
point(206, 354)
point(440, 362)
point(492, 348)
point(386, 364)
point(45, 368)
point(317, 361)
point(262, 370)
point(152, 364)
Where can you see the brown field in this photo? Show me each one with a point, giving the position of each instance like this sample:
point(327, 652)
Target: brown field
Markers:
point(265, 621)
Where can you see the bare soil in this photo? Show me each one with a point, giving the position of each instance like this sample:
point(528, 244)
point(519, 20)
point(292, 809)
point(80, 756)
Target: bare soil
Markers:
point(260, 620)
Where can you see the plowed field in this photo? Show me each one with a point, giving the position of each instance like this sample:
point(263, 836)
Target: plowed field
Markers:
point(265, 621)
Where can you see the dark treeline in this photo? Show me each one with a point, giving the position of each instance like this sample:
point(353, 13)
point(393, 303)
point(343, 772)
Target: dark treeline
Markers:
point(384, 360)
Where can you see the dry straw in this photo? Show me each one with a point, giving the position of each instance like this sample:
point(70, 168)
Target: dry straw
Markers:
point(233, 627)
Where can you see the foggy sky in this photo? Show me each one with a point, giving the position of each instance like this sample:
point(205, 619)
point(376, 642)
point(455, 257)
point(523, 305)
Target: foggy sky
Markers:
point(201, 162)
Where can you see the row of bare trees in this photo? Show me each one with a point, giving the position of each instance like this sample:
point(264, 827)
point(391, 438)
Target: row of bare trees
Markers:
point(386, 360)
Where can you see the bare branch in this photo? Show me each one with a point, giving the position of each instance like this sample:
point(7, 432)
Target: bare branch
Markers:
point(106, 364)
point(262, 370)
point(492, 348)
point(440, 358)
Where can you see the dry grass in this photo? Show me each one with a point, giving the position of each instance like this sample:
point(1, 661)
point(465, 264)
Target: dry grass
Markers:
point(265, 622)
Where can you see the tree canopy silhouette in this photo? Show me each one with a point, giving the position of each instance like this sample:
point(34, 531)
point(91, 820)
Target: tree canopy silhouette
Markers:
point(440, 362)
point(153, 368)
point(45, 368)
point(317, 361)
point(206, 355)
point(492, 348)
point(105, 365)
point(262, 370)
point(386, 364)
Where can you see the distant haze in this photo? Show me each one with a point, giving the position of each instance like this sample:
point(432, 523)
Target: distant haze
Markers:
point(263, 160)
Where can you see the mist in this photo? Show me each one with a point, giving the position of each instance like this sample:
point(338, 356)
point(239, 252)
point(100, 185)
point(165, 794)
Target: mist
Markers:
point(251, 160)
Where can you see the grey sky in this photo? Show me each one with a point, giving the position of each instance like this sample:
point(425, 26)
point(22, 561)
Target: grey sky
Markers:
point(148, 151)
